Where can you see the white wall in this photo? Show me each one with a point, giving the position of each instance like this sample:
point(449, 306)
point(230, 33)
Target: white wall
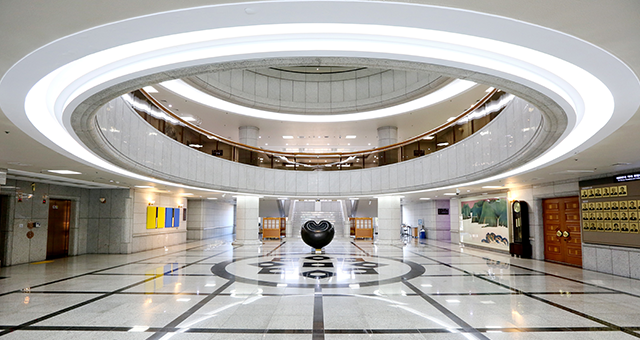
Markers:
point(438, 226)
point(209, 218)
point(145, 239)
point(367, 208)
point(144, 150)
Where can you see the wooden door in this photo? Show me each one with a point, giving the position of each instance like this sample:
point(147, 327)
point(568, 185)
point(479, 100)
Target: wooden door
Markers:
point(562, 238)
point(58, 233)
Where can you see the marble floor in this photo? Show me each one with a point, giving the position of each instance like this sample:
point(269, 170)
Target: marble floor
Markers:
point(356, 290)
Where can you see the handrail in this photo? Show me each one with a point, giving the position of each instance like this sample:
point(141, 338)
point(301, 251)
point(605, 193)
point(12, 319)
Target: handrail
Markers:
point(275, 153)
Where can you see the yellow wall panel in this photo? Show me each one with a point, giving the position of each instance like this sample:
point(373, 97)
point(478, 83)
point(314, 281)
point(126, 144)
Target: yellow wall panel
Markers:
point(161, 215)
point(151, 217)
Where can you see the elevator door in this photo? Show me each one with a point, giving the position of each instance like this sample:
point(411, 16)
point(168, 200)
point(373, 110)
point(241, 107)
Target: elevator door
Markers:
point(562, 233)
point(58, 234)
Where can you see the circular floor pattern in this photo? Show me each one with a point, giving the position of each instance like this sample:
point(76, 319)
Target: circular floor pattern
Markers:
point(304, 270)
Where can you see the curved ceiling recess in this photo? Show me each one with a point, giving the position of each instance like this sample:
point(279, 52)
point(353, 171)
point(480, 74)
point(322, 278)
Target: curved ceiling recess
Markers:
point(40, 93)
point(335, 96)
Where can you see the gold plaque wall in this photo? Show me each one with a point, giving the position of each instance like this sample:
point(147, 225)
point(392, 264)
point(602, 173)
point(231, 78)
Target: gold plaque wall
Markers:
point(610, 212)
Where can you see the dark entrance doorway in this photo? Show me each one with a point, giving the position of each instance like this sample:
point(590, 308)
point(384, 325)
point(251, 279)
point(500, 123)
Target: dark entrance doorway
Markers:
point(58, 233)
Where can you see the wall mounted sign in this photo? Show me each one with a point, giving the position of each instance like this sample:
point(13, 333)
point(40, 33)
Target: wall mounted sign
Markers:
point(443, 211)
point(626, 178)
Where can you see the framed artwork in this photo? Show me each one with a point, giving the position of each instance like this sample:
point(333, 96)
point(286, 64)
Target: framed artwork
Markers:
point(622, 190)
point(485, 222)
point(613, 191)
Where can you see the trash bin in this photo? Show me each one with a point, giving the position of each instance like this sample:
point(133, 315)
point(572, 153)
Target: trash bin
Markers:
point(423, 234)
point(414, 232)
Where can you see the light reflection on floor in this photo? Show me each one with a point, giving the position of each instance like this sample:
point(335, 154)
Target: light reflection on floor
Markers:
point(212, 290)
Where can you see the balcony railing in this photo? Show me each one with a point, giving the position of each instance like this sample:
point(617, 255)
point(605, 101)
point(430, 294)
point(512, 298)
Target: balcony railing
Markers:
point(175, 127)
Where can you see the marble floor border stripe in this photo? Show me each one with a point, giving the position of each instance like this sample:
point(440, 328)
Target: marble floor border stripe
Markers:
point(318, 314)
point(276, 248)
point(70, 308)
point(177, 321)
point(362, 250)
point(550, 274)
point(452, 316)
point(612, 326)
point(97, 298)
point(85, 292)
point(97, 271)
point(327, 331)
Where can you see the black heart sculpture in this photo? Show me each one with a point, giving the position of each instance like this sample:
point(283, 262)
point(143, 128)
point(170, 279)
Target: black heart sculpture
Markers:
point(317, 235)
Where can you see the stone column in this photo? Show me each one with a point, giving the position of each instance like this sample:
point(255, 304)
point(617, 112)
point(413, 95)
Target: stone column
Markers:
point(387, 135)
point(248, 135)
point(247, 220)
point(389, 220)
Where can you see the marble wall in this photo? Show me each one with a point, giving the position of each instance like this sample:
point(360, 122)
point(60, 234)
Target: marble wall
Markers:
point(209, 218)
point(95, 227)
point(109, 223)
point(136, 144)
point(19, 248)
point(438, 227)
point(145, 239)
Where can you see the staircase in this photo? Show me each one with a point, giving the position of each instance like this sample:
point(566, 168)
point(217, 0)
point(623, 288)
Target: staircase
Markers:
point(304, 211)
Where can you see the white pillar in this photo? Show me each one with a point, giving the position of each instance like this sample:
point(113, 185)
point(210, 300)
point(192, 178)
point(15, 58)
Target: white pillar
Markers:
point(387, 135)
point(248, 135)
point(247, 220)
point(389, 220)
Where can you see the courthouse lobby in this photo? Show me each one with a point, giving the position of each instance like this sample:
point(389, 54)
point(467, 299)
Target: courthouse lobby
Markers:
point(319, 169)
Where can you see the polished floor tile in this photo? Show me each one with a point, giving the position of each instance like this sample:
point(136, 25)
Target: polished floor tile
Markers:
point(355, 290)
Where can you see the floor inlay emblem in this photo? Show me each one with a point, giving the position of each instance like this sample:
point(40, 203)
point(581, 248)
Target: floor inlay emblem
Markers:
point(328, 271)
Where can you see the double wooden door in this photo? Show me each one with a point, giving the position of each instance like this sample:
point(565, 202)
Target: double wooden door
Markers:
point(562, 232)
point(58, 228)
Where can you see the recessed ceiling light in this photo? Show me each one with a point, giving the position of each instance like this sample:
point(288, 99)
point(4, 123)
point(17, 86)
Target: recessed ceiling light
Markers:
point(601, 107)
point(212, 198)
point(425, 198)
point(580, 171)
point(186, 194)
point(442, 144)
point(450, 119)
point(287, 137)
point(350, 137)
point(491, 187)
point(150, 89)
point(196, 145)
point(183, 300)
point(65, 172)
point(283, 198)
point(144, 186)
point(449, 194)
point(428, 138)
